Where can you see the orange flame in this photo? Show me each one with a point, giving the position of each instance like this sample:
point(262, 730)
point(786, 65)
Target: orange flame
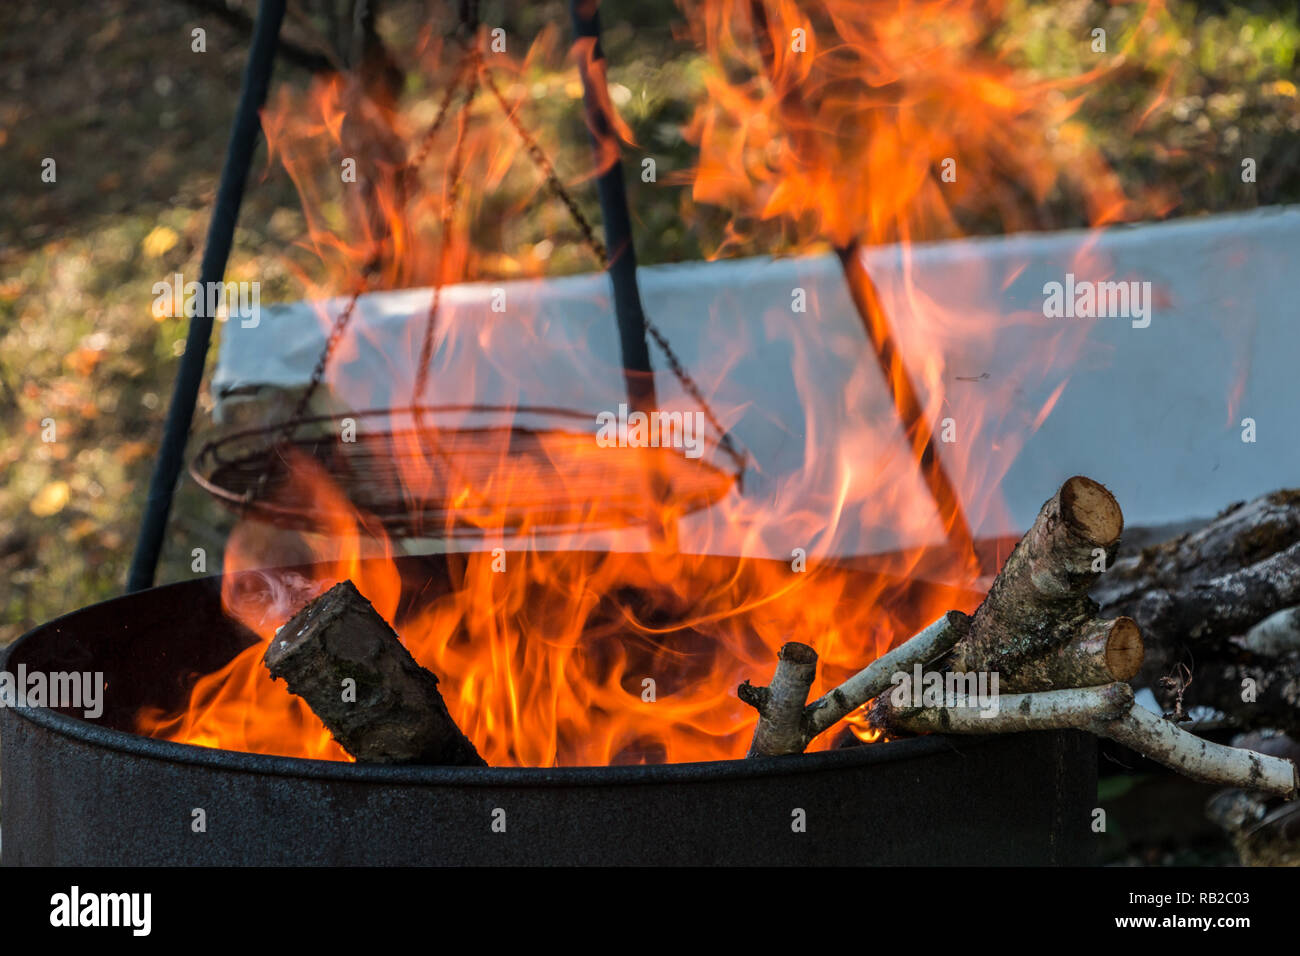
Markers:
point(589, 649)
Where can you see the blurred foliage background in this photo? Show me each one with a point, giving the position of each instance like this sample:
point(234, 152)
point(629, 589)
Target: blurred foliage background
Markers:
point(138, 125)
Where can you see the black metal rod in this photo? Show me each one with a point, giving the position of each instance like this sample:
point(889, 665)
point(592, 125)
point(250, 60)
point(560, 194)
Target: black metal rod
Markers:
point(637, 370)
point(221, 230)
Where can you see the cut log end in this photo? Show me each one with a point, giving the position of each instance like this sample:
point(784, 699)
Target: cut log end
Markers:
point(1100, 652)
point(780, 705)
point(1124, 650)
point(1091, 511)
point(797, 655)
point(1039, 602)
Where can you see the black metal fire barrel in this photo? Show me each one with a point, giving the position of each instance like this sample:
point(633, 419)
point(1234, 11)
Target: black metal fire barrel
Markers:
point(77, 792)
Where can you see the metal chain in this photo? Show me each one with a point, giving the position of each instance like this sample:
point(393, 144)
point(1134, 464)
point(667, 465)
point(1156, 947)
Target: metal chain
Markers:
point(331, 343)
point(548, 171)
point(431, 134)
point(472, 65)
point(539, 158)
point(448, 215)
point(341, 322)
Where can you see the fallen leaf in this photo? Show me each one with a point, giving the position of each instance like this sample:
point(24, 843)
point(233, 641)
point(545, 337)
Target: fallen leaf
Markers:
point(82, 361)
point(160, 241)
point(133, 451)
point(50, 500)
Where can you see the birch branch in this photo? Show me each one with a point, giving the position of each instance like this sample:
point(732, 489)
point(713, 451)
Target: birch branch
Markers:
point(1101, 653)
point(786, 726)
point(1039, 600)
point(1106, 711)
point(1162, 741)
point(780, 705)
point(936, 639)
point(1076, 708)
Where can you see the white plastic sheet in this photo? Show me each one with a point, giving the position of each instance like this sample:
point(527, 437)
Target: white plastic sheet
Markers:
point(1155, 413)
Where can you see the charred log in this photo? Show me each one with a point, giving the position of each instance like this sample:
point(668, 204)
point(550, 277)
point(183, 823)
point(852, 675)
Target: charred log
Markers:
point(341, 657)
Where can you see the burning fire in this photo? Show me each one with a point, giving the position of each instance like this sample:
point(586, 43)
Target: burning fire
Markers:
point(590, 649)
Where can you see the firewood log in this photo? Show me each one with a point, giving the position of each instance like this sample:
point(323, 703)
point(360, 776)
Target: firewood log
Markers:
point(1253, 691)
point(1072, 708)
point(341, 657)
point(1241, 535)
point(1277, 634)
point(1218, 605)
point(1265, 831)
point(1039, 601)
point(780, 704)
point(1107, 711)
point(1102, 652)
point(786, 726)
point(1203, 614)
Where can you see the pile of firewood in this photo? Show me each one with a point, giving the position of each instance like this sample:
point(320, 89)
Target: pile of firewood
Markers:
point(1219, 608)
point(1065, 628)
point(1061, 661)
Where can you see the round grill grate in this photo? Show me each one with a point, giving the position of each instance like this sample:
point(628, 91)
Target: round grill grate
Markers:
point(463, 470)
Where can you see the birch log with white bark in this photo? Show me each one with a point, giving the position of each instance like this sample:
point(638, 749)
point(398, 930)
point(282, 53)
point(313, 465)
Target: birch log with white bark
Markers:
point(780, 705)
point(922, 648)
point(784, 728)
point(1101, 653)
point(1039, 600)
point(1106, 711)
point(1164, 742)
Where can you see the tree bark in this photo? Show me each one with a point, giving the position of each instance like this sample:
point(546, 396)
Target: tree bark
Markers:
point(785, 727)
point(877, 677)
point(1102, 652)
point(1039, 600)
point(1220, 601)
point(1203, 614)
point(1164, 742)
point(1241, 535)
point(1265, 831)
point(1278, 633)
point(1254, 691)
point(1072, 708)
point(341, 657)
point(780, 705)
point(1107, 711)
